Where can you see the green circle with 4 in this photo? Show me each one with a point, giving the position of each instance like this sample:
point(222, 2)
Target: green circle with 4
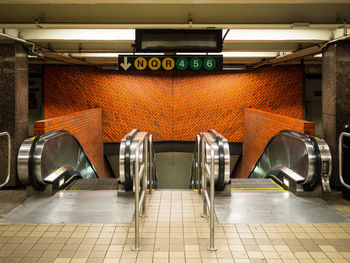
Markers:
point(182, 63)
point(195, 63)
point(209, 63)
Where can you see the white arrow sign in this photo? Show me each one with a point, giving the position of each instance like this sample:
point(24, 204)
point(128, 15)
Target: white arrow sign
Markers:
point(125, 65)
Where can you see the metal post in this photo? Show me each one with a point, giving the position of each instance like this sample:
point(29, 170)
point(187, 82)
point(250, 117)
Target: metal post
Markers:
point(212, 185)
point(145, 174)
point(150, 164)
point(204, 178)
point(8, 157)
point(137, 193)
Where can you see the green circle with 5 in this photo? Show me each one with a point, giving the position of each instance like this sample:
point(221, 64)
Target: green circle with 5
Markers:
point(195, 63)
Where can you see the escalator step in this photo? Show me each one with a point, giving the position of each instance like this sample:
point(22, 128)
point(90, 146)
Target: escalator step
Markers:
point(254, 184)
point(94, 184)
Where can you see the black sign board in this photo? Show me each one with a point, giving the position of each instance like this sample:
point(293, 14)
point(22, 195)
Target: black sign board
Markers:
point(170, 63)
point(178, 40)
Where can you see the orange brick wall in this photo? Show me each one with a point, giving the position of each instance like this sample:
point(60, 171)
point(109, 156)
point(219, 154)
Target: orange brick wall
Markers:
point(173, 106)
point(259, 127)
point(86, 126)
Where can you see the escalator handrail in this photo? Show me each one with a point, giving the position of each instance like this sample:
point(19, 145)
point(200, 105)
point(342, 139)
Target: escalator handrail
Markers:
point(286, 132)
point(220, 184)
point(191, 185)
point(127, 173)
point(153, 172)
point(31, 166)
point(318, 165)
point(31, 159)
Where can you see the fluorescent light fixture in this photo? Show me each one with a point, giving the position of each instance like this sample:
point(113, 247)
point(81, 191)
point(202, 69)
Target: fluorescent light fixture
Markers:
point(60, 35)
point(109, 55)
point(142, 54)
point(94, 55)
point(234, 67)
point(235, 54)
point(250, 54)
point(279, 34)
point(318, 55)
point(197, 54)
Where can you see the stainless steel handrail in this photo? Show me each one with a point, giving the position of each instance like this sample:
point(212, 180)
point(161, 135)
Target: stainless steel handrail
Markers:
point(208, 199)
point(150, 173)
point(140, 175)
point(197, 173)
point(340, 149)
point(8, 157)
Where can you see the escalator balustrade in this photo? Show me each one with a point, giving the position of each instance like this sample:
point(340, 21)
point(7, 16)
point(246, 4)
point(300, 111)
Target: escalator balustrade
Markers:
point(127, 156)
point(298, 162)
point(207, 141)
point(51, 161)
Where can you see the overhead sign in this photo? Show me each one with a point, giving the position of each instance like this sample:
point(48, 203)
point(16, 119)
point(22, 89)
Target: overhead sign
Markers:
point(170, 63)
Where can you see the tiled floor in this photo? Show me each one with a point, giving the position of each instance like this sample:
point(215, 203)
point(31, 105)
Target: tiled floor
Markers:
point(175, 232)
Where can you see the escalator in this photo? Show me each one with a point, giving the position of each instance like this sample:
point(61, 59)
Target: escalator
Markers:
point(298, 162)
point(127, 157)
point(208, 143)
point(51, 161)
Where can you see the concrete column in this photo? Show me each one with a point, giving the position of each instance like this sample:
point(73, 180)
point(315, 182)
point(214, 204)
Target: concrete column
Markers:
point(13, 104)
point(335, 98)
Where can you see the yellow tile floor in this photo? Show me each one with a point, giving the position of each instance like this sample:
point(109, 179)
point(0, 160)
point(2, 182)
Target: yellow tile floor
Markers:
point(175, 232)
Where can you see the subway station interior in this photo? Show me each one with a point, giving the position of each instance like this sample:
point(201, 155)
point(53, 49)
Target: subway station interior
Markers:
point(168, 131)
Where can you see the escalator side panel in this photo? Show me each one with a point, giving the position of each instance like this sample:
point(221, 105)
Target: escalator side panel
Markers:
point(48, 153)
point(299, 152)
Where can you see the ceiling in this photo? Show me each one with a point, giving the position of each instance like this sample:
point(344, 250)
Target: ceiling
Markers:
point(94, 32)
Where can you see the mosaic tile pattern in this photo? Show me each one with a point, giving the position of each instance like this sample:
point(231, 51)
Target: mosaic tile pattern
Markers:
point(175, 232)
point(172, 106)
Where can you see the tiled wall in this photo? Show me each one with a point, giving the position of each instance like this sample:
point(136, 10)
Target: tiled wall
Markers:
point(259, 127)
point(173, 106)
point(86, 126)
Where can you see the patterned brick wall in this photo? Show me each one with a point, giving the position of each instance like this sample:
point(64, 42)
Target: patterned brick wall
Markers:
point(86, 126)
point(172, 105)
point(259, 127)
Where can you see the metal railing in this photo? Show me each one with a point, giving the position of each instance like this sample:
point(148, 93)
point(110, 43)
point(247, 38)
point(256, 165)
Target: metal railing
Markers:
point(340, 148)
point(208, 199)
point(198, 165)
point(150, 172)
point(140, 183)
point(8, 157)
